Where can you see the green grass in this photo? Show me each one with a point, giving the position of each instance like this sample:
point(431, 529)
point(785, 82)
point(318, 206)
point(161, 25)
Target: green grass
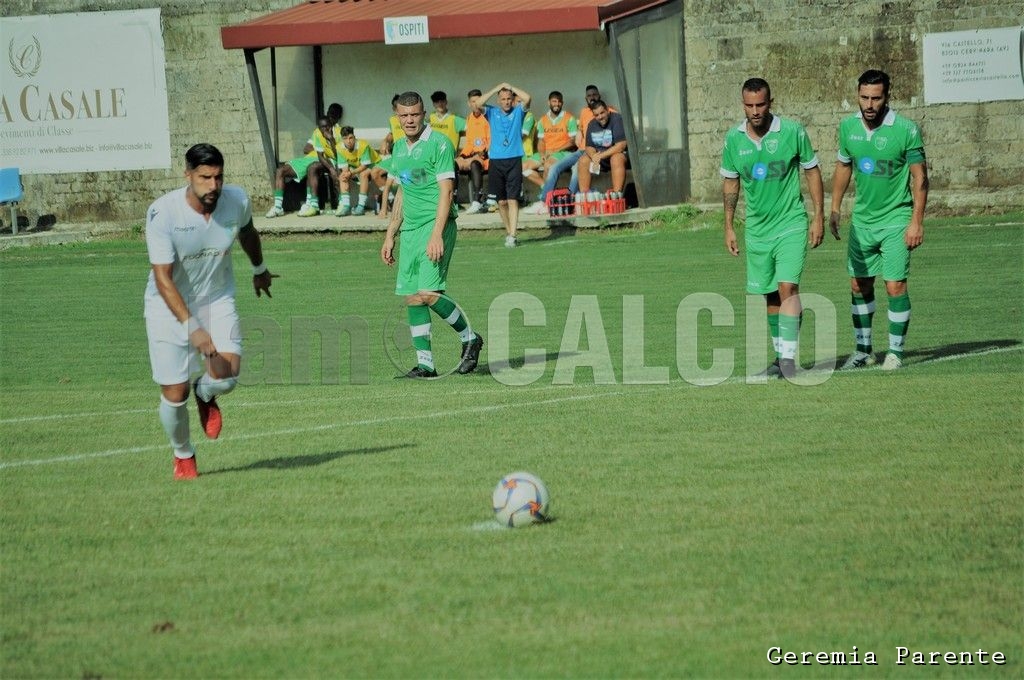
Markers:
point(343, 530)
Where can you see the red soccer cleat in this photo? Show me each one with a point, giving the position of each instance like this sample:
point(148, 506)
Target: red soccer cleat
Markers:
point(185, 468)
point(209, 414)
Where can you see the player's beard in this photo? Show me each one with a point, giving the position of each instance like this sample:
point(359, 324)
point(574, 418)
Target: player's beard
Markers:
point(873, 114)
point(761, 124)
point(209, 199)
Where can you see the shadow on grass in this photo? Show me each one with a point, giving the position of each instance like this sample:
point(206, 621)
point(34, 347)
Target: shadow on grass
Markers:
point(292, 462)
point(519, 362)
point(956, 349)
point(556, 230)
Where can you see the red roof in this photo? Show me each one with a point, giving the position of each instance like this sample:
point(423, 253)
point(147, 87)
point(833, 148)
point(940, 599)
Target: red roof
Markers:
point(333, 22)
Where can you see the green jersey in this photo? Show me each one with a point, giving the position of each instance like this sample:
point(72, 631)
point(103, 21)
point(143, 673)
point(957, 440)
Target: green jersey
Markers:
point(418, 168)
point(882, 158)
point(769, 171)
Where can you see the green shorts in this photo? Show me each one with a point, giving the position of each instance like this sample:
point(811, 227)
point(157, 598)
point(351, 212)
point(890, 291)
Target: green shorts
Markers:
point(416, 273)
point(301, 165)
point(878, 251)
point(535, 157)
point(773, 261)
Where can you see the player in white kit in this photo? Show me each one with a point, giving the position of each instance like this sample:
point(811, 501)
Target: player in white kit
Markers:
point(190, 298)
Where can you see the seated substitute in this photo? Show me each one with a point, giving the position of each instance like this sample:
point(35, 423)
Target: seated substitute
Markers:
point(606, 148)
point(356, 160)
point(449, 124)
point(556, 140)
point(472, 157)
point(322, 154)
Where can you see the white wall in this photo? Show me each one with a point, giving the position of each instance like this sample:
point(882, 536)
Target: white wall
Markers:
point(364, 77)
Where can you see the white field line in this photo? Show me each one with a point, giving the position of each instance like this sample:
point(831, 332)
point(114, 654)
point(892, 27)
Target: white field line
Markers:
point(320, 428)
point(234, 404)
point(441, 414)
point(968, 355)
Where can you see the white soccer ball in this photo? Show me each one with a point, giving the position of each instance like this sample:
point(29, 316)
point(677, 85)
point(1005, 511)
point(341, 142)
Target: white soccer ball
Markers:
point(520, 499)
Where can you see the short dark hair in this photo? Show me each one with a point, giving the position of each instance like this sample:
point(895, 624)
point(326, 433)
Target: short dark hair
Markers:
point(203, 154)
point(394, 100)
point(347, 130)
point(588, 88)
point(556, 95)
point(596, 104)
point(336, 111)
point(756, 85)
point(439, 96)
point(409, 98)
point(875, 77)
point(473, 93)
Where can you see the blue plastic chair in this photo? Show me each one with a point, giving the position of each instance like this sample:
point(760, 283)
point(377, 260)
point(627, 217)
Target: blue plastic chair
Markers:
point(11, 191)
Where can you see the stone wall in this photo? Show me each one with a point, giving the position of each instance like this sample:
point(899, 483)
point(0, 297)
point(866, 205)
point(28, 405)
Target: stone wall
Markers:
point(812, 51)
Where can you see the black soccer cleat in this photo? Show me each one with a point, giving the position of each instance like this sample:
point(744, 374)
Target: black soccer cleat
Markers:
point(470, 354)
point(418, 372)
point(773, 371)
point(787, 368)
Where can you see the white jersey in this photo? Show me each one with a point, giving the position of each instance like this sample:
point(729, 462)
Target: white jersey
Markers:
point(199, 250)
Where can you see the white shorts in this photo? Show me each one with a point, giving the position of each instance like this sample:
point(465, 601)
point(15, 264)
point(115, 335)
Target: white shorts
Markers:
point(173, 358)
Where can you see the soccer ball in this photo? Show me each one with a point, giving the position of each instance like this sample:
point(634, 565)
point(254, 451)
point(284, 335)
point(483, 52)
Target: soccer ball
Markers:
point(520, 499)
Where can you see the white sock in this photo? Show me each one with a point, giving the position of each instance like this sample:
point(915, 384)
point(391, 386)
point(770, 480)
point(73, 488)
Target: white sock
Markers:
point(210, 387)
point(174, 418)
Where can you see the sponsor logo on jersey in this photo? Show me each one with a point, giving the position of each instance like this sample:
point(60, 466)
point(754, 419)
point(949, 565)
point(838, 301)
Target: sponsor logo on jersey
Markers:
point(773, 170)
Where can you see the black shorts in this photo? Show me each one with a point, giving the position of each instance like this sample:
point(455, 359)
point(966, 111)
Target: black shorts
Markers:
point(606, 163)
point(505, 178)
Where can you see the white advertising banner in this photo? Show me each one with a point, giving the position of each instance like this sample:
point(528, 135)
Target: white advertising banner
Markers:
point(974, 66)
point(83, 92)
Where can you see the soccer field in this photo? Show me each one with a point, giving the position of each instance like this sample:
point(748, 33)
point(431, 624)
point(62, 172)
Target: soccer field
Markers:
point(341, 525)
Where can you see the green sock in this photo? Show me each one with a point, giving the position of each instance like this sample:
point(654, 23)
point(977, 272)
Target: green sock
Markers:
point(419, 326)
point(279, 198)
point(773, 327)
point(346, 200)
point(899, 322)
point(862, 310)
point(449, 311)
point(789, 333)
point(362, 200)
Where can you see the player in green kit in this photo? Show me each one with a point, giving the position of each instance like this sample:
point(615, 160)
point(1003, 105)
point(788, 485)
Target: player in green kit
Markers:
point(423, 164)
point(888, 212)
point(764, 154)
